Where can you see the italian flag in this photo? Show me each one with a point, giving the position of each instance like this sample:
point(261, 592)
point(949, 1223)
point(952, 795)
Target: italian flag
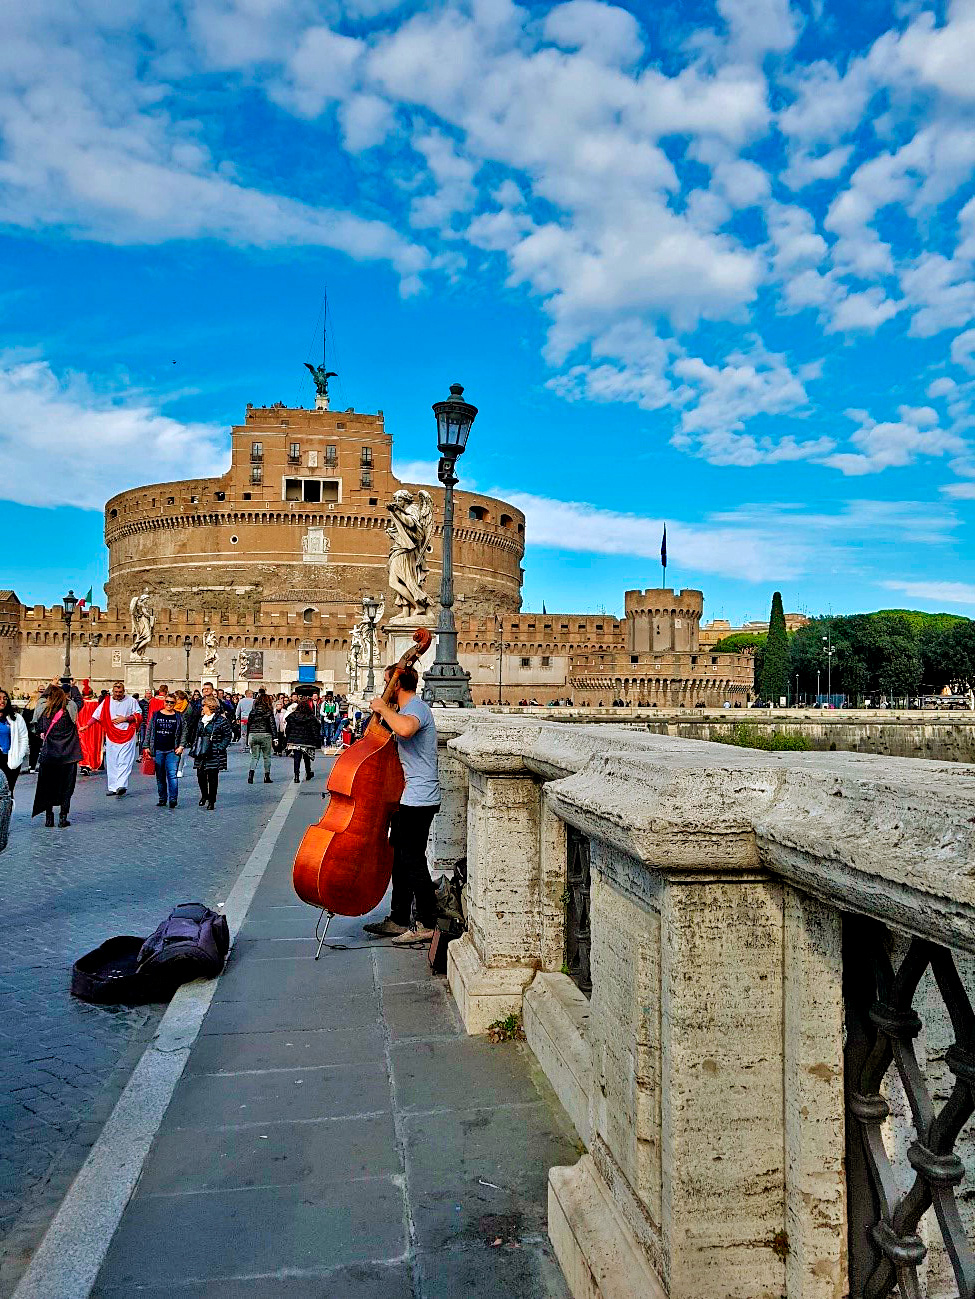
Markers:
point(85, 600)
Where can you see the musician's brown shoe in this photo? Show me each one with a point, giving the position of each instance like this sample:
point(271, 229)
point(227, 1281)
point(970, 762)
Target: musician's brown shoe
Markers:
point(414, 937)
point(387, 928)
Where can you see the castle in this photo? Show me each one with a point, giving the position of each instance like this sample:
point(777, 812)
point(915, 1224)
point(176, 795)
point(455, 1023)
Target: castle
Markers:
point(270, 563)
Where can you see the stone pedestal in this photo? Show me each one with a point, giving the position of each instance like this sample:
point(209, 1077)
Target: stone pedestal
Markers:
point(399, 638)
point(138, 676)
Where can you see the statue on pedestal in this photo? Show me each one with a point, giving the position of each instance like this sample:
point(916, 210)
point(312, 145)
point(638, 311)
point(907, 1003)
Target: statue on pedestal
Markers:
point(410, 533)
point(209, 651)
point(321, 377)
point(143, 621)
point(358, 650)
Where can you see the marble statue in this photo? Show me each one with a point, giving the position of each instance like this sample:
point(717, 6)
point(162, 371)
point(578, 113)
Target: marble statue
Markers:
point(143, 621)
point(358, 650)
point(410, 533)
point(209, 651)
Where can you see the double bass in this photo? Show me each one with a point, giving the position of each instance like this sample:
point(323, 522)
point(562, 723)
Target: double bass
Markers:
point(345, 861)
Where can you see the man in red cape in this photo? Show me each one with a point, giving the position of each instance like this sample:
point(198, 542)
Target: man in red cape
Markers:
point(118, 716)
point(90, 732)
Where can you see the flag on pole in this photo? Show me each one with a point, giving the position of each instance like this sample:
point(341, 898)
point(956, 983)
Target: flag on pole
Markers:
point(544, 610)
point(663, 549)
point(85, 599)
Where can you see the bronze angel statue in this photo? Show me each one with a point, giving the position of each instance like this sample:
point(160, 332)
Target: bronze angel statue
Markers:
point(321, 377)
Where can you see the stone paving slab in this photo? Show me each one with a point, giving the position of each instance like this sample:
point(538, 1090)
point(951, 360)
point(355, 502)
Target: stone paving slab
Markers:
point(119, 868)
point(356, 1169)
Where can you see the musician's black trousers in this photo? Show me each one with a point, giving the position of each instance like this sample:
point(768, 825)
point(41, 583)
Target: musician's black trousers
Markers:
point(411, 879)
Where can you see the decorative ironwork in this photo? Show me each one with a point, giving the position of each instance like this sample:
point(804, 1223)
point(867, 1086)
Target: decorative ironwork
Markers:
point(577, 937)
point(885, 1249)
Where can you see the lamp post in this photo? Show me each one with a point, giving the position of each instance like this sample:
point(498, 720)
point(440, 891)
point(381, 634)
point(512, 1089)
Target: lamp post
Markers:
point(498, 619)
point(817, 687)
point(445, 681)
point(233, 674)
point(370, 607)
point(829, 651)
point(187, 646)
point(69, 603)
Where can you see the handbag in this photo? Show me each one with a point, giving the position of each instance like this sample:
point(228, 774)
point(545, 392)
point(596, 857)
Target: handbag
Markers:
point(148, 765)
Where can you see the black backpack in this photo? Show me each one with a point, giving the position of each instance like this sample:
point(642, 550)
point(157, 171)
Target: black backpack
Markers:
point(191, 943)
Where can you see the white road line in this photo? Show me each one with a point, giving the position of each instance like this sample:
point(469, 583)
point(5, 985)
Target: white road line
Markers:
point(68, 1259)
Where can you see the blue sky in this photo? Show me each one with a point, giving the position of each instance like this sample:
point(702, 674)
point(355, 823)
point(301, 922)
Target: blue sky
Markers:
point(708, 263)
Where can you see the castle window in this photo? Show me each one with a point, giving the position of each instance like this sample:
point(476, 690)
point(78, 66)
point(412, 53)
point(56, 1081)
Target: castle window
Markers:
point(294, 452)
point(170, 500)
point(365, 479)
point(331, 454)
point(257, 450)
point(478, 513)
point(714, 658)
point(339, 423)
point(220, 496)
point(526, 662)
point(311, 490)
point(308, 615)
point(546, 661)
point(257, 473)
point(113, 514)
point(634, 658)
point(366, 460)
point(506, 520)
point(521, 529)
point(373, 500)
point(245, 496)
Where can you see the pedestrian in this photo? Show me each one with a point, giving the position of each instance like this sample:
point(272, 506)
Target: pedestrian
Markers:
point(32, 716)
point(165, 740)
point(57, 762)
point(302, 733)
point(415, 733)
point(260, 736)
point(91, 734)
point(14, 741)
point(213, 738)
point(244, 706)
point(121, 719)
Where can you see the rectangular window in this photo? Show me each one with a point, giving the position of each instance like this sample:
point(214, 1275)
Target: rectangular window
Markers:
point(526, 662)
point(311, 490)
point(366, 457)
point(257, 474)
point(546, 661)
point(331, 455)
point(634, 658)
point(366, 479)
point(257, 450)
point(294, 451)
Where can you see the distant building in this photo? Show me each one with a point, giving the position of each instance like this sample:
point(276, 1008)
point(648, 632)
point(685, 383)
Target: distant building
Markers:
point(274, 558)
point(718, 628)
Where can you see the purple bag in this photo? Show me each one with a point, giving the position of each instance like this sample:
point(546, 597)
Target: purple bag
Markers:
point(191, 943)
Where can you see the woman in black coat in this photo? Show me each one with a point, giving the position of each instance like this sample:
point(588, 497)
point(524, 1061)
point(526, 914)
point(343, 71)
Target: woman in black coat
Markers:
point(57, 763)
point(303, 735)
point(213, 736)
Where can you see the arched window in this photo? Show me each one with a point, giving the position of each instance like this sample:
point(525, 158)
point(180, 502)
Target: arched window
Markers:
point(477, 513)
point(506, 520)
point(308, 615)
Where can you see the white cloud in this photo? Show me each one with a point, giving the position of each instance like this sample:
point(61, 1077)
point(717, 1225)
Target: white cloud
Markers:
point(603, 32)
point(935, 592)
point(93, 435)
point(963, 350)
point(894, 443)
point(959, 491)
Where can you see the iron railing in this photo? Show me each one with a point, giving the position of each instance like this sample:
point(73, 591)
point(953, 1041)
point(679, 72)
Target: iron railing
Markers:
point(577, 939)
point(885, 1250)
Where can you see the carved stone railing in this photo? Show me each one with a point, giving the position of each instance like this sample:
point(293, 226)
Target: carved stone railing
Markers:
point(773, 1072)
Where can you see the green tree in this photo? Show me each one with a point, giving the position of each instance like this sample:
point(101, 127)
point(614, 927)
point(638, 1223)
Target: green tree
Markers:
point(774, 682)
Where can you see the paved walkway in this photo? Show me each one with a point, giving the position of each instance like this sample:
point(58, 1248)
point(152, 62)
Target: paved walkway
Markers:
point(119, 868)
point(335, 1133)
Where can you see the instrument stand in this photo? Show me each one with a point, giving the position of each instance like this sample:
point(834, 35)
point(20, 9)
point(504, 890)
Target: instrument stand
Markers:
point(321, 936)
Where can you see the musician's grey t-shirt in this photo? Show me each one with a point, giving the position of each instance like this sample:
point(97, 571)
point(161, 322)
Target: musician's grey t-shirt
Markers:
point(418, 755)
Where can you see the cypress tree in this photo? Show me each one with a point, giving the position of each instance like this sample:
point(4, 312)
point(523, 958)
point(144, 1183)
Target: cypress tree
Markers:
point(775, 668)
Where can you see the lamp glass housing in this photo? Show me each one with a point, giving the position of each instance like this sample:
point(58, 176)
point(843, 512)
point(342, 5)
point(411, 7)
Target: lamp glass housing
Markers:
point(454, 419)
point(70, 602)
point(370, 607)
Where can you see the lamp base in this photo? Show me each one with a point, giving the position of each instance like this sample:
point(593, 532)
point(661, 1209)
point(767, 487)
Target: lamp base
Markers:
point(447, 683)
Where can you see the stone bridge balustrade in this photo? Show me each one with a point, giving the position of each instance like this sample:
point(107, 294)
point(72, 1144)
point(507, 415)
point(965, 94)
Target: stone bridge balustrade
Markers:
point(705, 1075)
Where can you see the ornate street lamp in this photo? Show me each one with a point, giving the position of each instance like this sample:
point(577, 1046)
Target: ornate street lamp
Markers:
point(233, 674)
point(187, 646)
point(445, 682)
point(370, 607)
point(70, 603)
